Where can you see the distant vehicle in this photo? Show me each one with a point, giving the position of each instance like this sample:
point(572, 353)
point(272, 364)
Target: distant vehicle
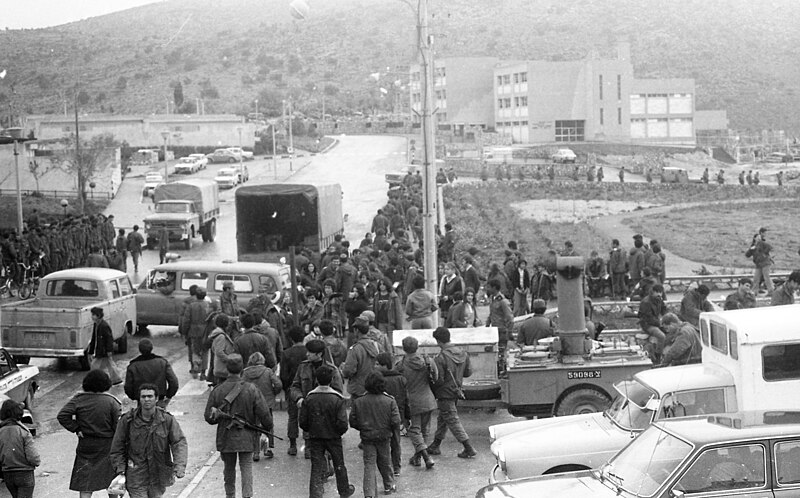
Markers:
point(188, 165)
point(223, 156)
point(246, 154)
point(564, 156)
point(152, 180)
point(201, 159)
point(144, 156)
point(184, 209)
point(779, 157)
point(228, 178)
point(674, 175)
point(753, 454)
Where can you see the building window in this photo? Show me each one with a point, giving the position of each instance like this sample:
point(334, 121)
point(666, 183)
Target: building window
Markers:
point(523, 77)
point(506, 79)
point(601, 87)
point(499, 81)
point(619, 115)
point(516, 77)
point(516, 101)
point(570, 131)
point(523, 101)
point(499, 103)
point(638, 104)
point(619, 87)
point(602, 116)
point(508, 103)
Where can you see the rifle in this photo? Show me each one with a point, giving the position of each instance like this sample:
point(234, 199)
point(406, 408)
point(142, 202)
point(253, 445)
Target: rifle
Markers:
point(237, 419)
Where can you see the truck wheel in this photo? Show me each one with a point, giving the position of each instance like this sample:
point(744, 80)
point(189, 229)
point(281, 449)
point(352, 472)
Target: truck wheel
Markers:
point(187, 244)
point(579, 401)
point(211, 231)
point(85, 361)
point(204, 233)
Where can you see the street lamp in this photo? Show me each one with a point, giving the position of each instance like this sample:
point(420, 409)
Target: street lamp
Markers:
point(165, 136)
point(15, 136)
point(256, 109)
point(92, 185)
point(65, 205)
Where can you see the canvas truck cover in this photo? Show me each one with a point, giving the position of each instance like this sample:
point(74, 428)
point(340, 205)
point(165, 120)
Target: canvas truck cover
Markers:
point(271, 218)
point(202, 192)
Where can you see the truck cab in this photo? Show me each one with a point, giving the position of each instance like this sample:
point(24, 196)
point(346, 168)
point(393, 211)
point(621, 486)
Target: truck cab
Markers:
point(184, 209)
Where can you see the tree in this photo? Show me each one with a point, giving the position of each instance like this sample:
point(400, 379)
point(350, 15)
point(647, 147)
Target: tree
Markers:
point(39, 170)
point(83, 97)
point(177, 94)
point(84, 164)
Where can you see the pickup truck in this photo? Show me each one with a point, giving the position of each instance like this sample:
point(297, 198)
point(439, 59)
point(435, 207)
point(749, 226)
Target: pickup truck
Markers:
point(184, 209)
point(750, 361)
point(58, 323)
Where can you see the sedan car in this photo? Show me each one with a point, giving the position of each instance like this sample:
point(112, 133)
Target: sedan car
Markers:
point(753, 454)
point(222, 156)
point(187, 165)
point(228, 178)
point(564, 156)
point(151, 181)
point(200, 159)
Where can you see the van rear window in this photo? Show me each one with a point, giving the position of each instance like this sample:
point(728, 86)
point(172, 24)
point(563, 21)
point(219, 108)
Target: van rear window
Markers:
point(781, 361)
point(241, 283)
point(190, 278)
point(72, 288)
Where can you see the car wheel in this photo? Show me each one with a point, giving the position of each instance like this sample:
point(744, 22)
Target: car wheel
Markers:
point(212, 230)
point(231, 160)
point(581, 401)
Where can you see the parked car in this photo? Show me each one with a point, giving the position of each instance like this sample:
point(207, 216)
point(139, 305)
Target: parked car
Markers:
point(753, 454)
point(564, 156)
point(152, 180)
point(201, 160)
point(187, 165)
point(228, 178)
point(246, 154)
point(222, 156)
point(674, 175)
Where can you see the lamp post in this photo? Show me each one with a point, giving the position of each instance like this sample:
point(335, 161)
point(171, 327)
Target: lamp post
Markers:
point(256, 109)
point(15, 136)
point(65, 205)
point(291, 141)
point(165, 136)
point(274, 153)
point(92, 185)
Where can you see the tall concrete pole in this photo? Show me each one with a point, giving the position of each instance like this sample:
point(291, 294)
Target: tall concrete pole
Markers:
point(20, 225)
point(429, 158)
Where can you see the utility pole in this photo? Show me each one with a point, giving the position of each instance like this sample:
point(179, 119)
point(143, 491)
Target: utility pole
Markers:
point(291, 141)
point(78, 166)
point(429, 158)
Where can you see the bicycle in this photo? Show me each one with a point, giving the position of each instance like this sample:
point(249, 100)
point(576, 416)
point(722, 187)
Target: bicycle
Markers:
point(30, 280)
point(8, 285)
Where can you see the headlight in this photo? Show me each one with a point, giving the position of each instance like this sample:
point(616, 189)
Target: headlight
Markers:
point(500, 454)
point(491, 434)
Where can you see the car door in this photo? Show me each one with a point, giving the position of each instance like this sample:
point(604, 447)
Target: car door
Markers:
point(153, 306)
point(732, 470)
point(786, 455)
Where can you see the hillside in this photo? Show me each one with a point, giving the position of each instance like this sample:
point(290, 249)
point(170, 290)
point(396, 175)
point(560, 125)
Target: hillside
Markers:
point(231, 52)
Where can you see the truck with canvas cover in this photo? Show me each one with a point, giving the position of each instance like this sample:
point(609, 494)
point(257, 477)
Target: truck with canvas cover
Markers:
point(272, 218)
point(184, 209)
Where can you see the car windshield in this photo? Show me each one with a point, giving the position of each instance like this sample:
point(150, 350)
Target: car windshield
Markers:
point(628, 409)
point(646, 463)
point(223, 172)
point(187, 160)
point(169, 207)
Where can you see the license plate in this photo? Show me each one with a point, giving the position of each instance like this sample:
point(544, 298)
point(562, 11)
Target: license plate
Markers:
point(38, 338)
point(584, 374)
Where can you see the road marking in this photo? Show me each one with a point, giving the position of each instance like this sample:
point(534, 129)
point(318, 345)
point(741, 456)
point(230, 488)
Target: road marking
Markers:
point(187, 491)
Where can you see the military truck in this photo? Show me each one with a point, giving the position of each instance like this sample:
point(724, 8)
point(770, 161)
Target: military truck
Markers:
point(184, 209)
point(569, 374)
point(272, 218)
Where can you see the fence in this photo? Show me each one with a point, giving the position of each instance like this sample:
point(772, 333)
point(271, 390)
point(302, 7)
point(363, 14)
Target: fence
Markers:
point(57, 194)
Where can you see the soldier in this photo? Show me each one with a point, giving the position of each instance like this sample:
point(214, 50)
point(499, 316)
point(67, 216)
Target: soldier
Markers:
point(135, 243)
point(704, 178)
point(600, 174)
point(721, 177)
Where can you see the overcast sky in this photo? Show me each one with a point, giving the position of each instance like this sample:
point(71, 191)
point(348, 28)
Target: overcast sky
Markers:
point(16, 14)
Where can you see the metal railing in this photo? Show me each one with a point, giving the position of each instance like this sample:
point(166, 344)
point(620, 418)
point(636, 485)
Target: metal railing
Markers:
point(58, 194)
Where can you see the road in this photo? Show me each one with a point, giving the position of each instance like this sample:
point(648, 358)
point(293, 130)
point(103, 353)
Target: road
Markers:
point(358, 165)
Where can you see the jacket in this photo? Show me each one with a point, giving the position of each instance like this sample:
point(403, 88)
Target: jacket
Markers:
point(452, 364)
point(309, 315)
point(388, 309)
point(336, 348)
point(525, 284)
point(292, 358)
point(636, 262)
point(617, 262)
point(682, 347)
point(359, 363)
point(420, 304)
point(252, 342)
point(781, 295)
point(265, 380)
point(102, 342)
point(472, 279)
point(345, 277)
point(692, 305)
point(273, 337)
point(248, 404)
point(305, 380)
point(380, 339)
point(17, 451)
point(458, 316)
point(323, 413)
point(500, 316)
point(447, 288)
point(149, 453)
point(375, 416)
point(93, 414)
point(417, 374)
point(534, 328)
point(651, 309)
point(396, 387)
point(222, 346)
point(761, 256)
point(151, 369)
point(193, 321)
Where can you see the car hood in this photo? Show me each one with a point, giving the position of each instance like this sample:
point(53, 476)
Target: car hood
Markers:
point(588, 440)
point(571, 485)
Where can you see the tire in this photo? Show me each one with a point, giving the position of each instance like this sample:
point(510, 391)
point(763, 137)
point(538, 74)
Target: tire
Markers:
point(85, 362)
point(25, 290)
point(231, 160)
point(481, 390)
point(13, 288)
point(580, 401)
point(141, 330)
point(211, 231)
point(187, 244)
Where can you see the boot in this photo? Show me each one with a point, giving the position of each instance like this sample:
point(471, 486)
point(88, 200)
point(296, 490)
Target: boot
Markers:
point(429, 463)
point(469, 451)
point(292, 446)
point(415, 460)
point(433, 448)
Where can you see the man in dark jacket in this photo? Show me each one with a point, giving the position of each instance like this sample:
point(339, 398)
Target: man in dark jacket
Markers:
point(395, 386)
point(695, 302)
point(235, 397)
point(651, 309)
point(101, 345)
point(472, 279)
point(452, 365)
point(742, 297)
point(360, 360)
point(251, 341)
point(536, 327)
point(683, 342)
point(323, 416)
point(152, 369)
point(418, 372)
point(784, 294)
point(376, 417)
point(292, 357)
point(193, 327)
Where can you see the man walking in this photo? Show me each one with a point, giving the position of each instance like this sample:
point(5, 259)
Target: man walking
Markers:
point(101, 346)
point(293, 356)
point(452, 365)
point(145, 460)
point(760, 250)
point(323, 416)
point(360, 360)
point(148, 368)
point(193, 327)
point(421, 402)
point(231, 400)
point(135, 243)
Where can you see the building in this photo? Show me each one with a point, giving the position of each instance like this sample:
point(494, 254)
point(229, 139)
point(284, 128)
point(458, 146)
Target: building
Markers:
point(204, 130)
point(463, 92)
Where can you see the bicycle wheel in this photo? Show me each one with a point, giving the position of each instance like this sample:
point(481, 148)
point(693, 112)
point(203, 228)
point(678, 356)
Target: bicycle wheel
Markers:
point(25, 290)
point(13, 288)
